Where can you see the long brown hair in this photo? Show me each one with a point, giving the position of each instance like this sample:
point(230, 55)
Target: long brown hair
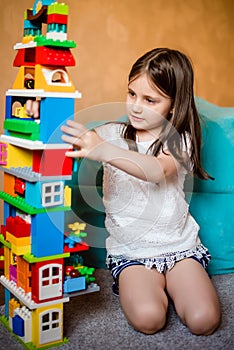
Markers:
point(171, 71)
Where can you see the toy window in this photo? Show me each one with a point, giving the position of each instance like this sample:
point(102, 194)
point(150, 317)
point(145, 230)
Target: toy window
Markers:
point(58, 77)
point(30, 54)
point(51, 275)
point(3, 154)
point(50, 320)
point(52, 194)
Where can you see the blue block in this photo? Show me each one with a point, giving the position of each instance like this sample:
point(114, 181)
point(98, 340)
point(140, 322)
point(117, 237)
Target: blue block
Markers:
point(215, 215)
point(44, 2)
point(7, 298)
point(33, 195)
point(8, 107)
point(218, 147)
point(9, 210)
point(18, 325)
point(53, 114)
point(47, 236)
point(74, 284)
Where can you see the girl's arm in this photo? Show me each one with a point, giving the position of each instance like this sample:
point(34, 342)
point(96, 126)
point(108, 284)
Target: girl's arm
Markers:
point(90, 145)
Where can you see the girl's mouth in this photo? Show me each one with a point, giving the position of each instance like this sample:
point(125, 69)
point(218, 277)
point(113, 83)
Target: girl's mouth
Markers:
point(137, 119)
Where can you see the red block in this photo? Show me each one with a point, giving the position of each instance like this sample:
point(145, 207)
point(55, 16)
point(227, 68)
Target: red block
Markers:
point(3, 231)
point(57, 18)
point(47, 56)
point(52, 162)
point(1, 256)
point(47, 281)
point(18, 227)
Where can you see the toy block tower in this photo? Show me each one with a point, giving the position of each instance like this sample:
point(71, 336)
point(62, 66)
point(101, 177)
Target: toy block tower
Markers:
point(42, 268)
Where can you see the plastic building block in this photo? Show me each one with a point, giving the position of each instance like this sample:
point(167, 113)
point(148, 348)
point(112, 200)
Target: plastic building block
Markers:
point(48, 281)
point(52, 162)
point(19, 187)
point(47, 234)
point(24, 274)
point(1, 258)
point(13, 304)
point(54, 113)
point(36, 194)
point(45, 194)
point(48, 56)
point(9, 184)
point(57, 8)
point(39, 4)
point(91, 288)
point(18, 242)
point(21, 204)
point(32, 259)
point(23, 316)
point(13, 273)
point(43, 41)
point(18, 157)
point(18, 326)
point(42, 93)
point(3, 154)
point(57, 18)
point(26, 298)
point(74, 284)
point(24, 129)
point(18, 227)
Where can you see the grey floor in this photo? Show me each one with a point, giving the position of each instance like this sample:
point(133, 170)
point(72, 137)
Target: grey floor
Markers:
point(95, 321)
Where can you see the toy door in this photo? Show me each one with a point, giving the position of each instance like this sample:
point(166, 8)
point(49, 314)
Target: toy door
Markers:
point(50, 326)
point(50, 281)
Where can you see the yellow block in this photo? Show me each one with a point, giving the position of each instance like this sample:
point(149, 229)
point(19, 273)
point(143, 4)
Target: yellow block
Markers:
point(21, 250)
point(67, 196)
point(55, 79)
point(13, 304)
point(55, 324)
point(18, 157)
point(19, 241)
point(22, 73)
point(7, 261)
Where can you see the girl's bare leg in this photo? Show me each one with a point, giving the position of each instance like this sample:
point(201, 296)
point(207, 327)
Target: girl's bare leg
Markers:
point(143, 298)
point(194, 297)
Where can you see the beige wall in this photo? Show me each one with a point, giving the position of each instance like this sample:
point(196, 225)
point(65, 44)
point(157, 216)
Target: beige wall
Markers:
point(111, 34)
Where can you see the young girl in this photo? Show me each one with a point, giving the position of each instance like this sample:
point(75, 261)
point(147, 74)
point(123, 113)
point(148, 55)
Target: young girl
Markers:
point(153, 251)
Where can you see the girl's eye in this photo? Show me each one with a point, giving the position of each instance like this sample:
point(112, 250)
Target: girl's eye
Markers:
point(150, 100)
point(131, 93)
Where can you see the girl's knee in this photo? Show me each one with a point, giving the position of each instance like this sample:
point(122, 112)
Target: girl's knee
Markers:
point(148, 320)
point(204, 322)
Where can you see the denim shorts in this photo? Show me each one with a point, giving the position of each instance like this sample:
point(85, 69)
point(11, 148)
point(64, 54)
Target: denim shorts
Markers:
point(162, 263)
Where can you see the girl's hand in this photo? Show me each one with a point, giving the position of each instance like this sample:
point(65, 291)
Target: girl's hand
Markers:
point(86, 143)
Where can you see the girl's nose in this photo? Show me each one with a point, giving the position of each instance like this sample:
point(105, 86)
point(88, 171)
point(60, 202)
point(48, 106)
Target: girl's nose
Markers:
point(137, 108)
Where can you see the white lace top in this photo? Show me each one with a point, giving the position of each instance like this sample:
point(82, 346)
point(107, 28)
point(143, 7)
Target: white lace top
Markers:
point(144, 219)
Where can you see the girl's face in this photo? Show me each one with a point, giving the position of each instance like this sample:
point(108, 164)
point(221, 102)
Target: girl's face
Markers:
point(147, 107)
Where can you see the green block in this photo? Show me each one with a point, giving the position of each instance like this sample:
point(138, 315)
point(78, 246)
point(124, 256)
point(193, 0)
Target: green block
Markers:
point(28, 130)
point(56, 8)
point(32, 259)
point(215, 215)
point(42, 41)
point(20, 203)
point(4, 242)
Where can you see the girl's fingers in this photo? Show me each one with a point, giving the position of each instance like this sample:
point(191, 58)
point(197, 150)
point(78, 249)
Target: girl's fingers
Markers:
point(81, 129)
point(74, 154)
point(69, 131)
point(72, 140)
point(35, 109)
point(28, 107)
